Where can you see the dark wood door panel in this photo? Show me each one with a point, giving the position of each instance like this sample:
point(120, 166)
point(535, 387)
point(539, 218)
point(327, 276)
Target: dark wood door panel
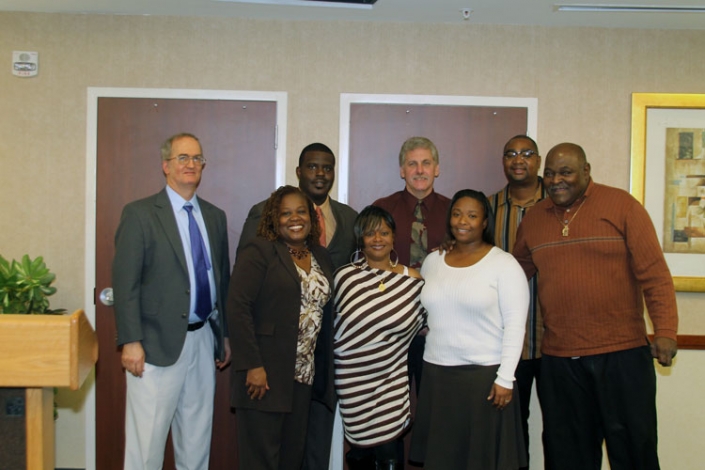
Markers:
point(238, 142)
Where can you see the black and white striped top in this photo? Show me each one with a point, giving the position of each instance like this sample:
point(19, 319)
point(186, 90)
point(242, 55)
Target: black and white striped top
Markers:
point(378, 313)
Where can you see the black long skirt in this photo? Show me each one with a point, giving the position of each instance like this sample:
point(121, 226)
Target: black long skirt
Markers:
point(457, 428)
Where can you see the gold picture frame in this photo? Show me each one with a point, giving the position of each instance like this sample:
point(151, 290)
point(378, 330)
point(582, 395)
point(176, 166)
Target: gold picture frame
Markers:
point(641, 103)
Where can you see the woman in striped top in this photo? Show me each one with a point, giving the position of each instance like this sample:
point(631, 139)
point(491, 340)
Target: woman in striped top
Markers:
point(378, 313)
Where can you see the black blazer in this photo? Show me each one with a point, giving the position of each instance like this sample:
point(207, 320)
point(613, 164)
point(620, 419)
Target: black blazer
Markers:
point(264, 303)
point(150, 277)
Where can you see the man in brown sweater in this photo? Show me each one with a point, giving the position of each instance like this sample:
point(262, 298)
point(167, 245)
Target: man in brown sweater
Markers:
point(599, 258)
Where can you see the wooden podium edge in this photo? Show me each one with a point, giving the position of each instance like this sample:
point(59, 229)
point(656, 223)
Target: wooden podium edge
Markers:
point(84, 349)
point(63, 352)
point(39, 394)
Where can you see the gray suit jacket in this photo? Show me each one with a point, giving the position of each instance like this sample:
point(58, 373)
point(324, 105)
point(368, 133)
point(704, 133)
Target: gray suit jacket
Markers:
point(150, 278)
point(340, 247)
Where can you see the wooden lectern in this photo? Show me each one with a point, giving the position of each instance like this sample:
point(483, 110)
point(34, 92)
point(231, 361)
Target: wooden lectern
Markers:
point(40, 352)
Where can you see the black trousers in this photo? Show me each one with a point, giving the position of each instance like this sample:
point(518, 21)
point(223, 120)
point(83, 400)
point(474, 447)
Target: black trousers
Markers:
point(606, 397)
point(274, 441)
point(320, 436)
point(527, 371)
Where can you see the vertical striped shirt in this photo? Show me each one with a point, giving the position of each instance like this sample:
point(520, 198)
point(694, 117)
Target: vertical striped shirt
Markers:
point(507, 219)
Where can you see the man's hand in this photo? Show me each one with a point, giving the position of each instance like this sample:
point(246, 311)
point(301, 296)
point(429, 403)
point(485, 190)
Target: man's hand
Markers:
point(664, 350)
point(256, 383)
point(133, 358)
point(223, 364)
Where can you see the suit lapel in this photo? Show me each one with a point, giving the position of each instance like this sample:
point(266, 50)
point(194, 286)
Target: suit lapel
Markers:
point(209, 219)
point(283, 253)
point(338, 221)
point(165, 214)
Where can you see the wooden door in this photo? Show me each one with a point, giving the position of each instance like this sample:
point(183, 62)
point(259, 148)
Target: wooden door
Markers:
point(469, 139)
point(238, 140)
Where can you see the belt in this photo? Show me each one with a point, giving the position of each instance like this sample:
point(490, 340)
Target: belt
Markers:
point(195, 326)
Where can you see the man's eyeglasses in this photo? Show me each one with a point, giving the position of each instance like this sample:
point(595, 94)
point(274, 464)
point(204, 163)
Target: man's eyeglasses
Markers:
point(185, 159)
point(525, 154)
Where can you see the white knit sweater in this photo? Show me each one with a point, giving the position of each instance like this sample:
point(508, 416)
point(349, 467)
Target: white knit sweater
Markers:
point(476, 314)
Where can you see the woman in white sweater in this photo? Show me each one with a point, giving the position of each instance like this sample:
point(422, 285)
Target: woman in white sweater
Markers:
point(477, 299)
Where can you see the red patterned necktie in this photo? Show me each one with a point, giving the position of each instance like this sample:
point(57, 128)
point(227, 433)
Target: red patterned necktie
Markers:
point(322, 226)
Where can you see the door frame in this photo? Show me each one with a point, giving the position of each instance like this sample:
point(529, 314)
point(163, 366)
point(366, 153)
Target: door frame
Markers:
point(93, 94)
point(348, 99)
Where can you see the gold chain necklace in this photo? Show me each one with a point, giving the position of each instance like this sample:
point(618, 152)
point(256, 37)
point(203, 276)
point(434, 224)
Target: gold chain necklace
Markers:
point(565, 223)
point(382, 287)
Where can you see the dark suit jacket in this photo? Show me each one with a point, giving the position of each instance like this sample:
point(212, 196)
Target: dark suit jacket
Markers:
point(264, 303)
point(150, 278)
point(341, 245)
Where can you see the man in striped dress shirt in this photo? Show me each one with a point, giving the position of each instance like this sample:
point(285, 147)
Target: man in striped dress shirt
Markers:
point(521, 162)
point(598, 259)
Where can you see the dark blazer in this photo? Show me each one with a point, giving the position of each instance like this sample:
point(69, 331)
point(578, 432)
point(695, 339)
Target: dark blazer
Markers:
point(264, 302)
point(341, 245)
point(150, 278)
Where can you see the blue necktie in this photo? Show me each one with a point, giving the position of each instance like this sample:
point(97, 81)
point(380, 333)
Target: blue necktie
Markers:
point(201, 265)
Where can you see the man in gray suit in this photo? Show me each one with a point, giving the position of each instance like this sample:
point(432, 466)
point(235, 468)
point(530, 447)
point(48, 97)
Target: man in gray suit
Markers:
point(169, 315)
point(316, 174)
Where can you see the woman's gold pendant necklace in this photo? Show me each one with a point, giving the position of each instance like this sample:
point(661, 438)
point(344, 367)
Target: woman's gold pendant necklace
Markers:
point(382, 287)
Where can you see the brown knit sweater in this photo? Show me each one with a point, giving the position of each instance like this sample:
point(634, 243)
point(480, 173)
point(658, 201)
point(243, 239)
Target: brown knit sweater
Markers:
point(593, 282)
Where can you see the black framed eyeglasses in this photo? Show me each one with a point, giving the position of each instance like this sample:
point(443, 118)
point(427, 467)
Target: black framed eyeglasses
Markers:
point(525, 154)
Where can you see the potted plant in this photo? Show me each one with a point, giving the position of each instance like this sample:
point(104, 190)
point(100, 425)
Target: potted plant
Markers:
point(25, 286)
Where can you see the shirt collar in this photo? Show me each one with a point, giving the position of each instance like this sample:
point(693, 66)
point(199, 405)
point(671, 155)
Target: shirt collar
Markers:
point(539, 194)
point(177, 202)
point(410, 200)
point(326, 204)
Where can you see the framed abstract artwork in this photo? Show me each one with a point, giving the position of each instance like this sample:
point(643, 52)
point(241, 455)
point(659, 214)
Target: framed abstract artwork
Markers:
point(668, 177)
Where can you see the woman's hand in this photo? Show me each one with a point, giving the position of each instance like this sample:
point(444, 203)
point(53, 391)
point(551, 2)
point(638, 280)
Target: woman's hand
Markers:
point(256, 383)
point(500, 396)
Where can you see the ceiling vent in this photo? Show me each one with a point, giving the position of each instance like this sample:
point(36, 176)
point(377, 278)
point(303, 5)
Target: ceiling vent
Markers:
point(359, 2)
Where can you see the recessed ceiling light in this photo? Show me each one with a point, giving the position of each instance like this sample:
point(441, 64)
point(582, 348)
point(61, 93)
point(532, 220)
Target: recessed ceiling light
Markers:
point(629, 8)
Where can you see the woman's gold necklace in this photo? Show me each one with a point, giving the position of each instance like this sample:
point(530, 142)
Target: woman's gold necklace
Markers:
point(565, 222)
point(381, 287)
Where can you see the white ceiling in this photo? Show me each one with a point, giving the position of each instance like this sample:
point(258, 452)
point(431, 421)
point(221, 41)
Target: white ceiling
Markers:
point(512, 12)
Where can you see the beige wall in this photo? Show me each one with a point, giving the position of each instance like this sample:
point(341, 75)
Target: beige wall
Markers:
point(582, 79)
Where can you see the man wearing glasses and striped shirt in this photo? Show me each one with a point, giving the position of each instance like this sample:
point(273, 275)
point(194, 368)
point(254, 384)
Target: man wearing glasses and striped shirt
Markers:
point(521, 162)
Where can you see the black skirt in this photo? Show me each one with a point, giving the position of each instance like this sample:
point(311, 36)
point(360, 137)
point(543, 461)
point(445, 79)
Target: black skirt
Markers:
point(457, 428)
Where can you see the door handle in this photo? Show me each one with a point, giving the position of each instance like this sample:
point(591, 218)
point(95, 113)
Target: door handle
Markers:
point(106, 297)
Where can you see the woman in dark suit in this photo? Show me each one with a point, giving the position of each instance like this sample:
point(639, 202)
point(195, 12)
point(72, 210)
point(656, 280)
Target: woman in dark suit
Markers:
point(281, 332)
